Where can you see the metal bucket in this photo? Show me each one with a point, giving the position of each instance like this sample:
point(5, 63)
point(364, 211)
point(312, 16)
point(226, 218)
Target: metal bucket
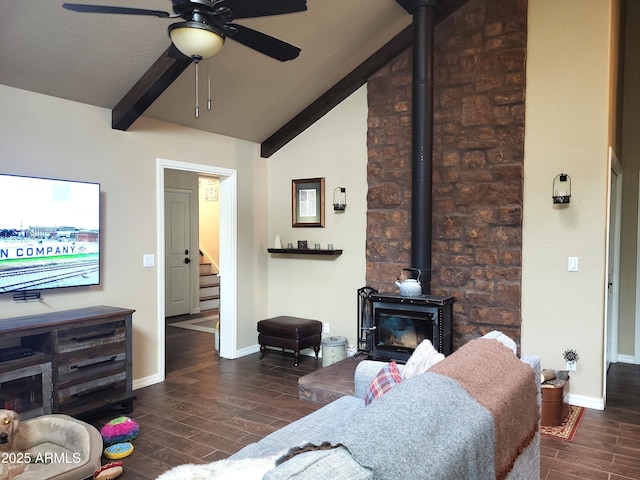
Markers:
point(334, 349)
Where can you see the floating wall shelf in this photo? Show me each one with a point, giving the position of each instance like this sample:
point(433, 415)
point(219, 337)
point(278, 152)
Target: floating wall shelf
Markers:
point(304, 251)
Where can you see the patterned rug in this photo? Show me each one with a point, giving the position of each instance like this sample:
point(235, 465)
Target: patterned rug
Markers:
point(201, 324)
point(567, 429)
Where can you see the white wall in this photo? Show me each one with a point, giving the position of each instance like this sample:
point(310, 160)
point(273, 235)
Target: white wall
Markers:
point(568, 129)
point(45, 136)
point(322, 288)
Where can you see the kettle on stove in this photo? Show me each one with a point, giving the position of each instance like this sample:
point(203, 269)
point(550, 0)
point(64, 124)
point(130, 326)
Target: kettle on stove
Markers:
point(410, 287)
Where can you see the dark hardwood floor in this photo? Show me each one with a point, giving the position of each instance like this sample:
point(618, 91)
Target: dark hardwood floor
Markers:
point(208, 408)
point(607, 443)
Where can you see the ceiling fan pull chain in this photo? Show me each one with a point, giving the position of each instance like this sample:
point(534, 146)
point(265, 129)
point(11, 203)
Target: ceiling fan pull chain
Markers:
point(208, 86)
point(197, 104)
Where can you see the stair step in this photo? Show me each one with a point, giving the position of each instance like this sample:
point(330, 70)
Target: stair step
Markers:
point(208, 290)
point(209, 297)
point(209, 287)
point(209, 304)
point(206, 268)
point(209, 280)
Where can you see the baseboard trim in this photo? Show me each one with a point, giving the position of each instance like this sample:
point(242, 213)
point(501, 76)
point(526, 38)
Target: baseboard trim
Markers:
point(146, 381)
point(247, 351)
point(627, 359)
point(587, 402)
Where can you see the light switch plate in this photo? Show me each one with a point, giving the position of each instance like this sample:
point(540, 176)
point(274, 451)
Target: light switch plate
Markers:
point(572, 264)
point(148, 260)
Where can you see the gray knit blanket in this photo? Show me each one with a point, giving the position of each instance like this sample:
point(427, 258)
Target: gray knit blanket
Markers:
point(468, 418)
point(390, 437)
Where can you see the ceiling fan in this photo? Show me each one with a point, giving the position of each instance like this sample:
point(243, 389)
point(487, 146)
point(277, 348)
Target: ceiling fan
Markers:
point(206, 24)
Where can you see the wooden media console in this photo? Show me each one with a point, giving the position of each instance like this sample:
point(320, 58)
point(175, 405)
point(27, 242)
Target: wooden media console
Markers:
point(76, 362)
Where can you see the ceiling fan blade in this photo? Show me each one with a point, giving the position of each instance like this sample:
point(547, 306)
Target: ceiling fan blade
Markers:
point(264, 8)
point(84, 8)
point(261, 42)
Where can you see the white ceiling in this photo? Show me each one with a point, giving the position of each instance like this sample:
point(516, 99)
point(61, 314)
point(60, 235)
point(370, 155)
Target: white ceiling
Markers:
point(96, 59)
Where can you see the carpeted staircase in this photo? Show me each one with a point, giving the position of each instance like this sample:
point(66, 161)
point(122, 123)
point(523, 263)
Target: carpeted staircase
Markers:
point(209, 287)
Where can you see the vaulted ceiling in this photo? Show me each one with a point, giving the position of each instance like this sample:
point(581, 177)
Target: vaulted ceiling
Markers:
point(97, 59)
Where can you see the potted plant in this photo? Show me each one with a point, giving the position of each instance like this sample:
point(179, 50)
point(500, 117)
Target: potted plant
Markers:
point(571, 357)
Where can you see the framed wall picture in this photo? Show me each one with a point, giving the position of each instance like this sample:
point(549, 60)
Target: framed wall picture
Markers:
point(307, 202)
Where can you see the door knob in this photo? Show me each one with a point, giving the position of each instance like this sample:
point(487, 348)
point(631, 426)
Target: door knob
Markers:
point(187, 260)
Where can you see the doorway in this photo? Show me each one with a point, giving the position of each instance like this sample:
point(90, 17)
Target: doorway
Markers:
point(228, 254)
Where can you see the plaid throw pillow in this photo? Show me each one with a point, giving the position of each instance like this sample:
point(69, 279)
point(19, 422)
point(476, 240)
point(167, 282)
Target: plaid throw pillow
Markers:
point(384, 381)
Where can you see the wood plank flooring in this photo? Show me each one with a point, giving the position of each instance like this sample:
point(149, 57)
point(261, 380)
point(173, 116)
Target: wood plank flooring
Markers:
point(607, 443)
point(208, 408)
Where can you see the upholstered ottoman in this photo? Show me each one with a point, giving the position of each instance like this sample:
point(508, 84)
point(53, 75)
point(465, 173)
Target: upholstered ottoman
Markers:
point(292, 333)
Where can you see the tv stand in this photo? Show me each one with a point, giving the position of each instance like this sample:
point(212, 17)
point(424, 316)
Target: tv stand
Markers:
point(79, 362)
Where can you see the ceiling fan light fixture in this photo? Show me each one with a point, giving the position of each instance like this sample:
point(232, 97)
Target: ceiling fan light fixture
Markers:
point(196, 40)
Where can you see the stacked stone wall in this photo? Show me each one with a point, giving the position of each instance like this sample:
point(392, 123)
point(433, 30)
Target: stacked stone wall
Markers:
point(479, 93)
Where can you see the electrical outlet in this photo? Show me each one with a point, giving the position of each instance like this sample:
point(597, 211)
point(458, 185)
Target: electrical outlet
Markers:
point(325, 327)
point(571, 366)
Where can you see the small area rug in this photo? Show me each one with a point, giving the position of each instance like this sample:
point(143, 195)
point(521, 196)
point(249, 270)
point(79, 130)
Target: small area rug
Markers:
point(567, 429)
point(201, 324)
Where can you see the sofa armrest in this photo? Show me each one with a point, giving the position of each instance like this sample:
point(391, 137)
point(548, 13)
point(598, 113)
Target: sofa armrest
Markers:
point(365, 372)
point(534, 361)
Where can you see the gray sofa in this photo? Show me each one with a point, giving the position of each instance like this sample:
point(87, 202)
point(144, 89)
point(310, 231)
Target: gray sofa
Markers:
point(427, 426)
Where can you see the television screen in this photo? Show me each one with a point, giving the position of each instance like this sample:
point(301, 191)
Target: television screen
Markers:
point(49, 233)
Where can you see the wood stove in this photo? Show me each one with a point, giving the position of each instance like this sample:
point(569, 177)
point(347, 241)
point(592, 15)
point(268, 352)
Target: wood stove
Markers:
point(394, 326)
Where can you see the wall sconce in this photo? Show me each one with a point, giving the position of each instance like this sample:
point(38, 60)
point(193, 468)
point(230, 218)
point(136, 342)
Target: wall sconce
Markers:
point(340, 199)
point(562, 188)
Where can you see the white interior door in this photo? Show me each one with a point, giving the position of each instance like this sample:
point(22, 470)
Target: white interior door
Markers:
point(613, 261)
point(611, 277)
point(177, 254)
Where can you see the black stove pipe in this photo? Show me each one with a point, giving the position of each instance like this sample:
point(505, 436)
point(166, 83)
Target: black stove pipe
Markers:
point(423, 12)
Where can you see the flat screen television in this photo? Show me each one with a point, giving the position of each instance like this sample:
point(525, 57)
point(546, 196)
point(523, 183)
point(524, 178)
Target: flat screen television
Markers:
point(49, 233)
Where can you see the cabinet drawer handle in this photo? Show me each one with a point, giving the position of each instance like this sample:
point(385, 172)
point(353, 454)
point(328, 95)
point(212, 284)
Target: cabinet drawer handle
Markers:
point(94, 337)
point(107, 360)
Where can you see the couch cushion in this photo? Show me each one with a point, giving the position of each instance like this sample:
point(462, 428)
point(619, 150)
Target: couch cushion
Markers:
point(387, 378)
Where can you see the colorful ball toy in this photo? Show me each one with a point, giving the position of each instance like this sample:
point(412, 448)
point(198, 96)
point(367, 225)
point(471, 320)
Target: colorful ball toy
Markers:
point(121, 429)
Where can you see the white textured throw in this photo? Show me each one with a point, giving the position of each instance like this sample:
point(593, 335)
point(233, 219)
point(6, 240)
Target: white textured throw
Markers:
point(422, 359)
point(247, 469)
point(503, 339)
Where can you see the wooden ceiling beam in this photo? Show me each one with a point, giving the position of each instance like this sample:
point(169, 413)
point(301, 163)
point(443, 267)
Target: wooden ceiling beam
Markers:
point(155, 81)
point(167, 69)
point(350, 83)
point(336, 94)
